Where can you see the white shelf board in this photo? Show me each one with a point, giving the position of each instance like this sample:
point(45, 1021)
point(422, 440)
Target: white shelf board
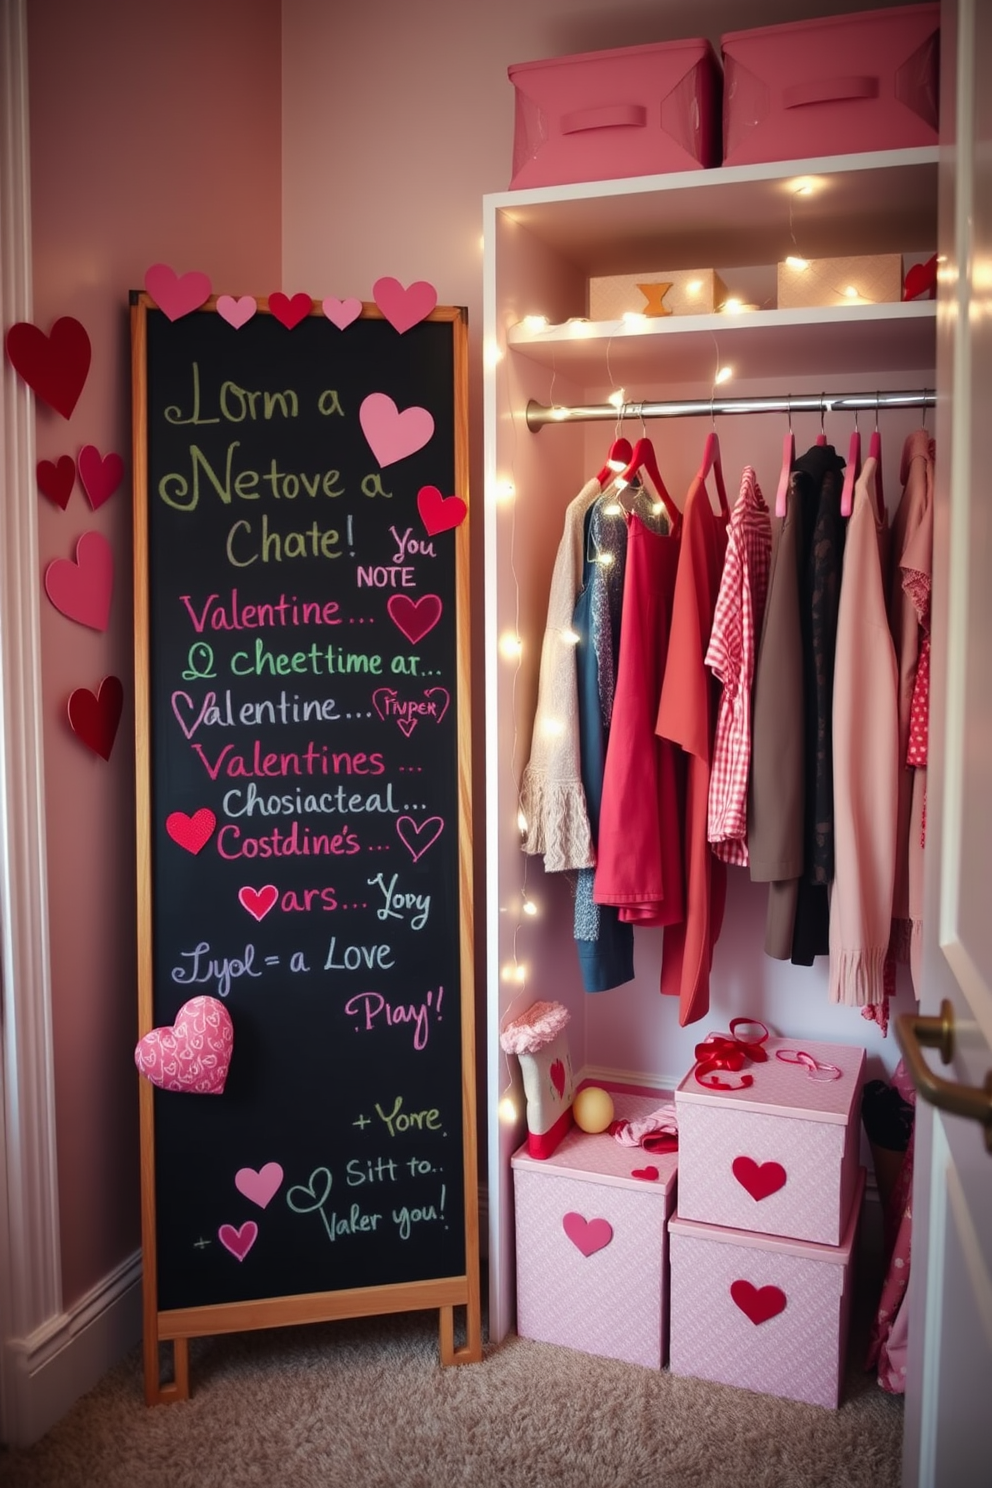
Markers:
point(761, 343)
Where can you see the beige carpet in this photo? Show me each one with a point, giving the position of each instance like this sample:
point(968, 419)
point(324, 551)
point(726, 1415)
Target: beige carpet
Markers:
point(358, 1403)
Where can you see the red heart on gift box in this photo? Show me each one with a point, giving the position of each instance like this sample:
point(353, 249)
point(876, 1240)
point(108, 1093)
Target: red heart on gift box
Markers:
point(758, 1303)
point(94, 719)
point(56, 480)
point(650, 1175)
point(55, 366)
point(289, 312)
point(760, 1179)
point(587, 1235)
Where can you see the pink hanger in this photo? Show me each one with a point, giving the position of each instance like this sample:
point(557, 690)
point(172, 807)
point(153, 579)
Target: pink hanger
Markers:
point(620, 452)
point(712, 461)
point(852, 471)
point(788, 459)
point(821, 438)
point(875, 451)
point(643, 458)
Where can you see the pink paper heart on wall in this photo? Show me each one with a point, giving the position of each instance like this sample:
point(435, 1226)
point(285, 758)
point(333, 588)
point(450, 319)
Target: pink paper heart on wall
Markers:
point(94, 718)
point(417, 837)
point(341, 312)
point(404, 308)
point(258, 902)
point(194, 1055)
point(56, 480)
point(760, 1179)
point(587, 1235)
point(100, 474)
point(758, 1303)
point(393, 435)
point(439, 513)
point(261, 1186)
point(176, 294)
point(191, 832)
point(414, 617)
point(55, 367)
point(238, 1242)
point(289, 312)
point(82, 590)
point(236, 312)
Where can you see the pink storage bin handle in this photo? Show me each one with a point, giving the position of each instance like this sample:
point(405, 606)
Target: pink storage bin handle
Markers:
point(608, 117)
point(829, 90)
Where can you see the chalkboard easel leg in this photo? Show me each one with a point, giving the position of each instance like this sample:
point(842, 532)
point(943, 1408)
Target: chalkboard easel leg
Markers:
point(470, 1352)
point(157, 1393)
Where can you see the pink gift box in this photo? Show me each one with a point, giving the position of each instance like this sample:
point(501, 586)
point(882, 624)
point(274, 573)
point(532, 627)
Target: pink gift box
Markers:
point(780, 1157)
point(592, 1242)
point(631, 111)
point(760, 1312)
point(832, 86)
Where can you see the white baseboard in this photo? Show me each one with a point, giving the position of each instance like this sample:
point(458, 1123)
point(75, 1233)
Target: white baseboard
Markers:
point(51, 1368)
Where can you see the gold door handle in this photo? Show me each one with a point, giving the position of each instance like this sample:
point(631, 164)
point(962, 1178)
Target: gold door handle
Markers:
point(914, 1033)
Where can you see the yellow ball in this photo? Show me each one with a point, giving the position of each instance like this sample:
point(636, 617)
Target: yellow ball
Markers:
point(593, 1109)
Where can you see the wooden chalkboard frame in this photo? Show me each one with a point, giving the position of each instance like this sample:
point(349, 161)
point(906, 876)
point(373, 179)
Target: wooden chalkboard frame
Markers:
point(176, 1326)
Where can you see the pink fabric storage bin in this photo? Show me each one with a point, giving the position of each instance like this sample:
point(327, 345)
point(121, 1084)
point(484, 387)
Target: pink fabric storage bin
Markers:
point(591, 1243)
point(632, 111)
point(780, 1157)
point(762, 1313)
point(832, 86)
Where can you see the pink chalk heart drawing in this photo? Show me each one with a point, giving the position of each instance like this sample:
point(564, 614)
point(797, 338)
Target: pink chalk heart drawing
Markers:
point(341, 312)
point(557, 1073)
point(587, 1235)
point(758, 1303)
point(175, 294)
point(414, 617)
point(393, 435)
point(258, 902)
point(100, 474)
point(259, 1186)
point(194, 1055)
point(56, 479)
point(289, 312)
point(191, 832)
point(55, 367)
point(238, 1242)
point(439, 513)
point(417, 837)
point(404, 308)
point(82, 589)
point(236, 312)
point(649, 1174)
point(760, 1179)
point(94, 718)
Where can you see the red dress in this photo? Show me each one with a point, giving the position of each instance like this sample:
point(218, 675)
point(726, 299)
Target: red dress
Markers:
point(639, 852)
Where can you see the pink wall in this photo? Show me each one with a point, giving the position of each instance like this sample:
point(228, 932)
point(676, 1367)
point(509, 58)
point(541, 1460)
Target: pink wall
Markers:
point(155, 136)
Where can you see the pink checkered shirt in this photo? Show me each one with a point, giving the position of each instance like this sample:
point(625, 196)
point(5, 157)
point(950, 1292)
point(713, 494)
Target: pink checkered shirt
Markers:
point(740, 608)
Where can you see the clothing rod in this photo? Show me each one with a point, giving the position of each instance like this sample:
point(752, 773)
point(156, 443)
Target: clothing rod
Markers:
point(539, 414)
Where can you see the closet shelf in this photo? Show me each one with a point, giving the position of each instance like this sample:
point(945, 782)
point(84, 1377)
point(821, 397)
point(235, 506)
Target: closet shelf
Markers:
point(762, 343)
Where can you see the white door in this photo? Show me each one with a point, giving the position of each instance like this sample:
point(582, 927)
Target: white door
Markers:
point(949, 1383)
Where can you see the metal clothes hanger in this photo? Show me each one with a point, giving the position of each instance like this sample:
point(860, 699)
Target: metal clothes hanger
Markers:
point(788, 460)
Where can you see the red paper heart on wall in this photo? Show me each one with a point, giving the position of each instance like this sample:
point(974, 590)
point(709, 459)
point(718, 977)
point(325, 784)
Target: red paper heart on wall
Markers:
point(55, 366)
point(289, 312)
point(56, 479)
point(758, 1303)
point(100, 474)
point(94, 719)
point(760, 1179)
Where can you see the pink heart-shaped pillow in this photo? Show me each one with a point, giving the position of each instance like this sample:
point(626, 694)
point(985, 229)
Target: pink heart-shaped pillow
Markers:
point(194, 1055)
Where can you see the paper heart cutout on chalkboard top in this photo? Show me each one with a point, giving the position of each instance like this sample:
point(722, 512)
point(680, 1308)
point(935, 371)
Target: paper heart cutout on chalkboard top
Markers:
point(55, 367)
point(194, 1055)
point(236, 312)
point(289, 312)
point(56, 479)
point(238, 1242)
point(191, 832)
point(393, 435)
point(414, 617)
point(259, 1186)
point(759, 1179)
point(341, 312)
point(100, 474)
point(587, 1235)
point(94, 718)
point(404, 308)
point(439, 513)
point(175, 294)
point(417, 837)
point(82, 589)
point(758, 1303)
point(258, 902)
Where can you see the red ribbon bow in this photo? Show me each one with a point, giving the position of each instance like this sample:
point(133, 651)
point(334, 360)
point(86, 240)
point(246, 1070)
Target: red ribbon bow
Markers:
point(720, 1051)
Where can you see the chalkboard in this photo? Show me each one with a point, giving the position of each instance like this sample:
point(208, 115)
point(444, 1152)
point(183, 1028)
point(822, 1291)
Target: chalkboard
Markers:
point(304, 820)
